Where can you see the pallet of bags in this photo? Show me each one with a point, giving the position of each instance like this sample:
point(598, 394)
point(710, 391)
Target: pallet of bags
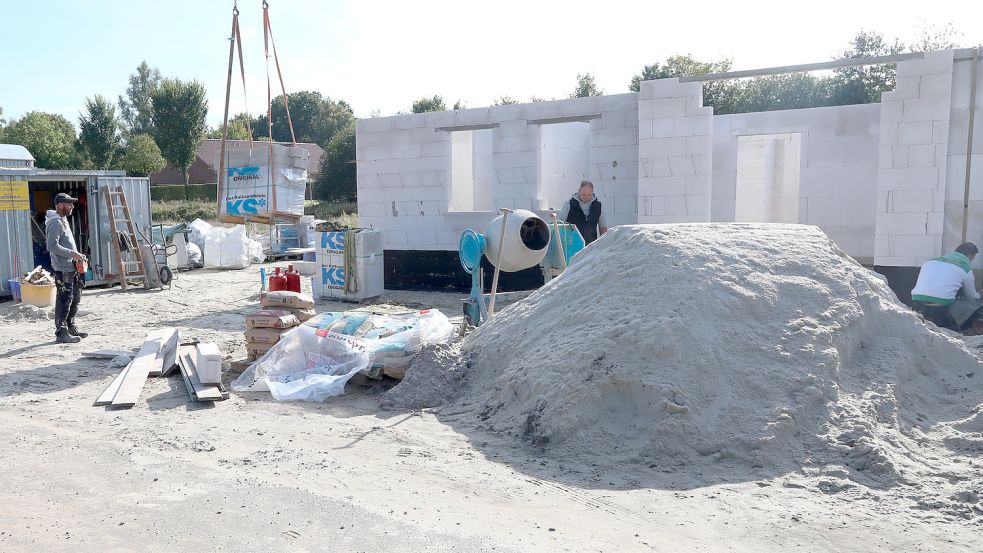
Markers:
point(264, 328)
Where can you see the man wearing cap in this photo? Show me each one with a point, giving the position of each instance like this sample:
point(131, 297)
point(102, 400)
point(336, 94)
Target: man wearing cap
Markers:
point(68, 280)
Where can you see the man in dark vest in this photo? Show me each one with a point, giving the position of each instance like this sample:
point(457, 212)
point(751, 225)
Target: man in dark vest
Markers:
point(584, 211)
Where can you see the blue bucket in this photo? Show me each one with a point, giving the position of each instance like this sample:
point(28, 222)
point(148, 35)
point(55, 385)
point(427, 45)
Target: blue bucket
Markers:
point(14, 288)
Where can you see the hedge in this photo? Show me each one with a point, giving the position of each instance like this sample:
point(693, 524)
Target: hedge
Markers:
point(175, 192)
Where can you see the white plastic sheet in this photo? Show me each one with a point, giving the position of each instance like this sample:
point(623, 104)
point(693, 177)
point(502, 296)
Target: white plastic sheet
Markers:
point(315, 360)
point(199, 229)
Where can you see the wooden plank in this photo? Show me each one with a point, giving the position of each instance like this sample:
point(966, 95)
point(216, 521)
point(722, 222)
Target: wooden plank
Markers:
point(169, 353)
point(203, 393)
point(109, 353)
point(107, 396)
point(140, 367)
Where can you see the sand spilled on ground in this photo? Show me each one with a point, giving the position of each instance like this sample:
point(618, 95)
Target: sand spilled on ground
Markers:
point(732, 352)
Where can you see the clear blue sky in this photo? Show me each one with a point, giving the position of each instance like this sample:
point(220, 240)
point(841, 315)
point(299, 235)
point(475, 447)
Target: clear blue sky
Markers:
point(380, 56)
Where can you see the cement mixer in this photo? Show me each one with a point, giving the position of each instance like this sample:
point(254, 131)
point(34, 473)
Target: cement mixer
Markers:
point(513, 241)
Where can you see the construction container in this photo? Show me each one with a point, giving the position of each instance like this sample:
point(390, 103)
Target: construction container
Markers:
point(40, 295)
point(256, 187)
point(26, 194)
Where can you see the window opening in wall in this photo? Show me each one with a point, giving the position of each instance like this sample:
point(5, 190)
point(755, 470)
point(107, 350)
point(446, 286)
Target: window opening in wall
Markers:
point(472, 171)
point(564, 161)
point(768, 174)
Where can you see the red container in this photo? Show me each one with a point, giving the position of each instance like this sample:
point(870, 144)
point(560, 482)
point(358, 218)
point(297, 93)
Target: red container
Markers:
point(278, 281)
point(293, 279)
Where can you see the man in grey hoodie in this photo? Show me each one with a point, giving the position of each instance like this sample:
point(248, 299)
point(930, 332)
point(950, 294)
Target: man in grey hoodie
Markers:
point(69, 282)
point(584, 211)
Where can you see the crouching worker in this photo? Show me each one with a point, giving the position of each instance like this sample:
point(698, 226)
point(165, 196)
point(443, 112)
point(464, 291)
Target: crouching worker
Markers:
point(945, 292)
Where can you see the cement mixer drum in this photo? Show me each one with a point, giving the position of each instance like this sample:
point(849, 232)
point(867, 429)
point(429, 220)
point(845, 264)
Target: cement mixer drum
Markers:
point(527, 239)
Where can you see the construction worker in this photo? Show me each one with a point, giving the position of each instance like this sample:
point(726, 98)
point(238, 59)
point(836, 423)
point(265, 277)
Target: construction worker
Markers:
point(584, 211)
point(65, 260)
point(945, 292)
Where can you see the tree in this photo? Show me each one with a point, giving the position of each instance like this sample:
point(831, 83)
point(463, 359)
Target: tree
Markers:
point(585, 87)
point(337, 180)
point(459, 105)
point(505, 101)
point(237, 129)
point(424, 105)
point(143, 157)
point(865, 84)
point(135, 109)
point(179, 109)
point(49, 137)
point(679, 66)
point(99, 131)
point(3, 123)
point(315, 118)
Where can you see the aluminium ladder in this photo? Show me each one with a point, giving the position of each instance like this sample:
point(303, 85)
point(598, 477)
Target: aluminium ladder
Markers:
point(116, 204)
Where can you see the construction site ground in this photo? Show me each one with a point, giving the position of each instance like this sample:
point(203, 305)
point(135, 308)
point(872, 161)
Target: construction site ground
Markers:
point(253, 474)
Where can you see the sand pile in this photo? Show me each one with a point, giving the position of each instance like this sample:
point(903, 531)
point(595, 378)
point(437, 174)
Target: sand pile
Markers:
point(437, 375)
point(762, 348)
point(22, 312)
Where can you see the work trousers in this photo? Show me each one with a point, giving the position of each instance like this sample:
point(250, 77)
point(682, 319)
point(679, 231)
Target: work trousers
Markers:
point(68, 287)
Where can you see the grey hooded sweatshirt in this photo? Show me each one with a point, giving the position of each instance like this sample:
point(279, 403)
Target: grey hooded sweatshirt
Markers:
point(61, 243)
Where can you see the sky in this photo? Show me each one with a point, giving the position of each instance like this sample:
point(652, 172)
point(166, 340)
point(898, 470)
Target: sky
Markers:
point(381, 56)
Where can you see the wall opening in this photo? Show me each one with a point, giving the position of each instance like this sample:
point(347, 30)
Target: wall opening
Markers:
point(472, 170)
point(768, 175)
point(564, 161)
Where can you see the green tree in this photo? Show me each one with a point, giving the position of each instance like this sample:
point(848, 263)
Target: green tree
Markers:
point(337, 179)
point(237, 130)
point(459, 105)
point(3, 123)
point(424, 105)
point(585, 87)
point(315, 118)
point(865, 84)
point(505, 101)
point(679, 66)
point(179, 111)
point(143, 157)
point(136, 109)
point(49, 137)
point(99, 132)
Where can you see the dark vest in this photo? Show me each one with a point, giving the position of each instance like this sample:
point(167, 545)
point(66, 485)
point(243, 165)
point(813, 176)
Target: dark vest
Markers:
point(586, 224)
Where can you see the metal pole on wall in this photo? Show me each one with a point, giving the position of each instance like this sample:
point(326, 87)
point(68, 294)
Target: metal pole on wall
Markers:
point(969, 141)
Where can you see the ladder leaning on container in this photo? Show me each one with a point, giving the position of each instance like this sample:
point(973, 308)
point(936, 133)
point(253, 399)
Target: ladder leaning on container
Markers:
point(116, 203)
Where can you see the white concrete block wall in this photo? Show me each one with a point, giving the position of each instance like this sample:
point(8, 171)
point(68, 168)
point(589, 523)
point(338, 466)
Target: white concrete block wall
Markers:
point(675, 152)
point(403, 165)
point(913, 157)
point(838, 172)
point(956, 156)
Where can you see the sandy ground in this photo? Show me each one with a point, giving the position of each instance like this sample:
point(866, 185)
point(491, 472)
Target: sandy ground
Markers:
point(251, 474)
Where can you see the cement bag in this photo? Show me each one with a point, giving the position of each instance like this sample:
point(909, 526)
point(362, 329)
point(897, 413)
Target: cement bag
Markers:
point(393, 339)
point(199, 230)
point(307, 364)
point(227, 248)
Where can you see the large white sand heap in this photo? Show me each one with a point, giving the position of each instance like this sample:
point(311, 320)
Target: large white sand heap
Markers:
point(762, 348)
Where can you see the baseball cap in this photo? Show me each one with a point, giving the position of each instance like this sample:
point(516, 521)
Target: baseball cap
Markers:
point(63, 198)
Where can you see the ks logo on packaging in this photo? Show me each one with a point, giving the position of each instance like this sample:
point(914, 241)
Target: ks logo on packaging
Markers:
point(333, 241)
point(333, 276)
point(252, 205)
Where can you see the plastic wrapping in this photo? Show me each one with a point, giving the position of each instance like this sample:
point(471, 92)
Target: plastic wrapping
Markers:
point(316, 359)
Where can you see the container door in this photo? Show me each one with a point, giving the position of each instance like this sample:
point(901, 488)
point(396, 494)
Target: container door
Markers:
point(16, 254)
point(137, 191)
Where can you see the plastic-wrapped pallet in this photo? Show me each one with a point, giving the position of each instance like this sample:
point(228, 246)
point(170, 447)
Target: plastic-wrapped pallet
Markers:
point(361, 278)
